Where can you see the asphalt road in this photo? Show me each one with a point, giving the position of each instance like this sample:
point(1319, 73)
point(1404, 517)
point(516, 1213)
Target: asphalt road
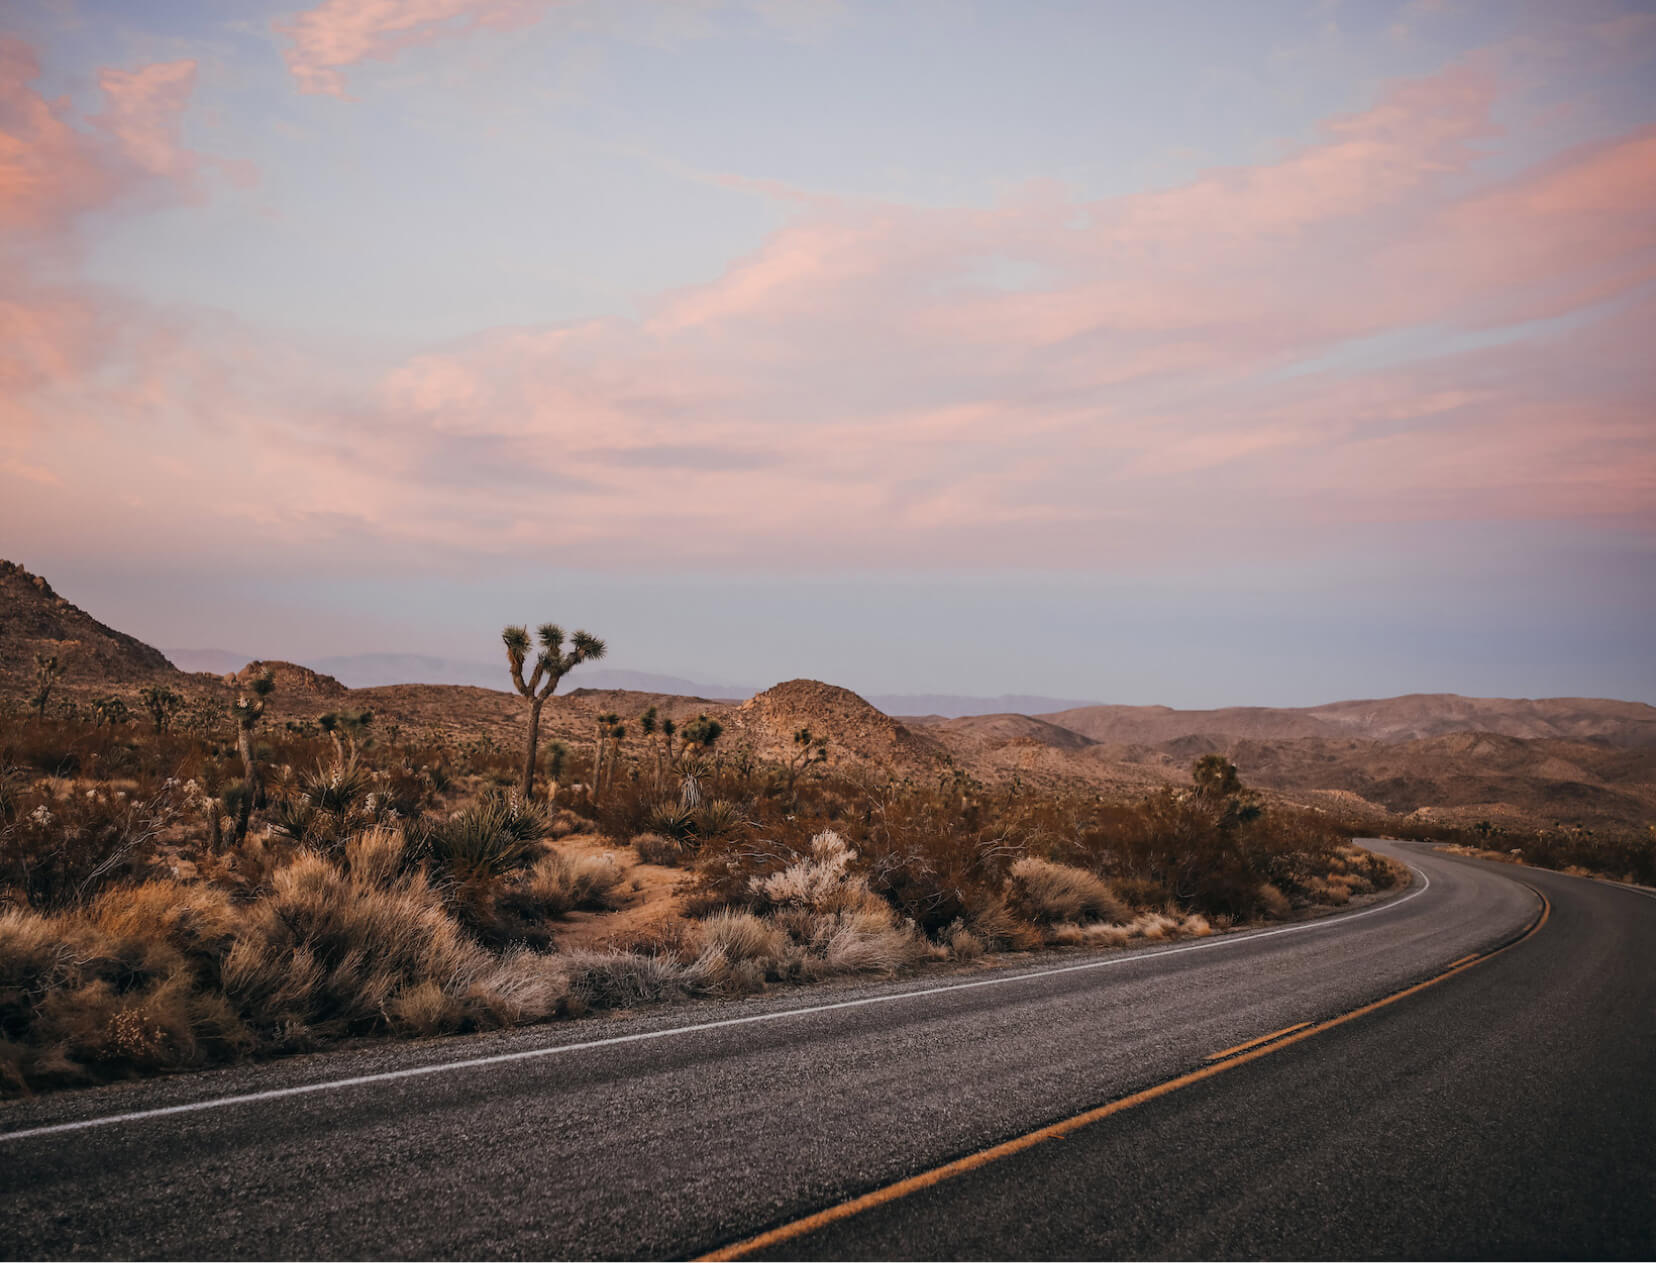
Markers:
point(1509, 1110)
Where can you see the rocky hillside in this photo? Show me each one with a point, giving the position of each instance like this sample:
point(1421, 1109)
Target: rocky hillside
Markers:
point(293, 682)
point(35, 619)
point(856, 731)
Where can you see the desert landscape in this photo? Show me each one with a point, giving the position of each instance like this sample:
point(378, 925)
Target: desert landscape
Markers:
point(269, 861)
point(827, 629)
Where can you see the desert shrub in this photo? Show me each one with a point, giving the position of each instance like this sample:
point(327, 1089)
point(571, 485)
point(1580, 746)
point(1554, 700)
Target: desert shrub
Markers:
point(862, 940)
point(60, 850)
point(85, 997)
point(820, 882)
point(652, 848)
point(523, 908)
point(718, 818)
point(670, 820)
point(620, 980)
point(345, 948)
point(742, 936)
point(1046, 892)
point(485, 841)
point(557, 884)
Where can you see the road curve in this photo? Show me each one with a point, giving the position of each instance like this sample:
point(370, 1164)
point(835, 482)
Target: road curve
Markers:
point(1504, 1111)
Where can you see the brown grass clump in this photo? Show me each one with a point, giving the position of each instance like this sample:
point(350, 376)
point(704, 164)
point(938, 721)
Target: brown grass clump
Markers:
point(1272, 901)
point(652, 848)
point(1046, 892)
point(742, 936)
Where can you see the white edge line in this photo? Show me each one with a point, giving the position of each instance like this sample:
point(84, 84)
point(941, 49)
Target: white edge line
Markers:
point(528, 1054)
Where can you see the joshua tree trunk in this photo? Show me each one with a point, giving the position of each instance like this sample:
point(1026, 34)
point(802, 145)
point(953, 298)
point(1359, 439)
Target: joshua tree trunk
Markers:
point(250, 784)
point(532, 746)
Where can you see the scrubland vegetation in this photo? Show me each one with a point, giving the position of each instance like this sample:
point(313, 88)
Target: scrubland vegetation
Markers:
point(1619, 854)
point(207, 886)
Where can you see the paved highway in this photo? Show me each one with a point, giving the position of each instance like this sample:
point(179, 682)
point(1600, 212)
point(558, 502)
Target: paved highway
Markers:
point(1504, 1110)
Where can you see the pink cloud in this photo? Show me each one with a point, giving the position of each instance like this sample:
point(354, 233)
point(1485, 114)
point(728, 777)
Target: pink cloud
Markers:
point(49, 171)
point(342, 33)
point(143, 113)
point(862, 390)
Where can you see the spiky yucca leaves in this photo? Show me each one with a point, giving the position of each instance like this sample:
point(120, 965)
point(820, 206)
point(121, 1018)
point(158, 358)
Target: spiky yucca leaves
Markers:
point(487, 840)
point(670, 820)
point(551, 665)
point(329, 805)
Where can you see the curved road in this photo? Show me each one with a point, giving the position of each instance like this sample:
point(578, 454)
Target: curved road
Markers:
point(1506, 1110)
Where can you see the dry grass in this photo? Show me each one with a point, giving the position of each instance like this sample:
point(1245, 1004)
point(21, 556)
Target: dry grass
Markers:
point(1046, 892)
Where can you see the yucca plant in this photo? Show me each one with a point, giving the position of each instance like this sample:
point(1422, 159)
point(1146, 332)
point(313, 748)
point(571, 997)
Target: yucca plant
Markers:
point(718, 817)
point(671, 820)
point(551, 665)
point(487, 840)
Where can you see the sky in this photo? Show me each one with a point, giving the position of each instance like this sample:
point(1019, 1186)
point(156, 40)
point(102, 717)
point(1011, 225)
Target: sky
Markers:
point(1192, 353)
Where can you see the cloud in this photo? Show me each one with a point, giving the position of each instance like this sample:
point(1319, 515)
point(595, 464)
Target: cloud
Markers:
point(868, 389)
point(143, 113)
point(344, 32)
point(325, 41)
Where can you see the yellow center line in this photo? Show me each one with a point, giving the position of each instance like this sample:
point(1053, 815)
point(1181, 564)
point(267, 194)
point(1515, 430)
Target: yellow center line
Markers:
point(1463, 960)
point(1257, 1040)
point(1058, 1131)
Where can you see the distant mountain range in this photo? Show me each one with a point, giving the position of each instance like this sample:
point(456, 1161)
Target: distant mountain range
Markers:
point(372, 670)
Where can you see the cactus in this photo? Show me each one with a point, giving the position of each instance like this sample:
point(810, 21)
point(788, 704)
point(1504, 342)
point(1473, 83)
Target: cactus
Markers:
point(551, 665)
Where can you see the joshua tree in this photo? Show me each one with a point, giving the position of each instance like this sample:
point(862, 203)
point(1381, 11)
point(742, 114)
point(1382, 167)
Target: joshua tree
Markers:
point(807, 750)
point(1217, 783)
point(699, 735)
point(557, 754)
point(162, 703)
point(109, 710)
point(649, 725)
point(611, 732)
point(1215, 777)
point(247, 710)
point(337, 722)
point(47, 671)
point(551, 665)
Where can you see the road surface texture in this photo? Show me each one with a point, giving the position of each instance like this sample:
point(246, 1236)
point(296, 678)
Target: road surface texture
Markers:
point(1507, 1110)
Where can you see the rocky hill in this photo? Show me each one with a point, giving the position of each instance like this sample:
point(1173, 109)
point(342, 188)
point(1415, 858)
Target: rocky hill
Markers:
point(34, 620)
point(857, 733)
point(293, 682)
